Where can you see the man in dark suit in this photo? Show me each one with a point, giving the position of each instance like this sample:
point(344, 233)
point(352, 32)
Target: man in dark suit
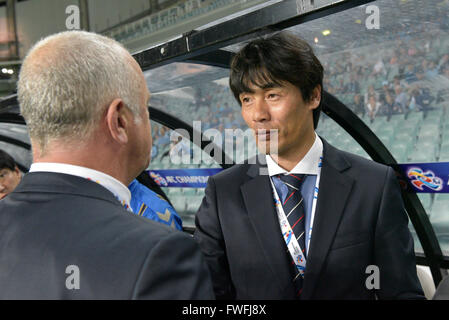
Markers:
point(66, 231)
point(323, 223)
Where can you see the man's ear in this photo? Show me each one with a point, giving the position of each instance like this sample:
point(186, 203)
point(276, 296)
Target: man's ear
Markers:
point(315, 98)
point(117, 120)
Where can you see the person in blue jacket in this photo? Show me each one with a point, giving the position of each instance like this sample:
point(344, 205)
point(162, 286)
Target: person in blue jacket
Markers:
point(149, 204)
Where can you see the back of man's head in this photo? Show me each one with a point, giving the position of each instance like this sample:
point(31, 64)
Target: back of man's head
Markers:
point(274, 59)
point(67, 81)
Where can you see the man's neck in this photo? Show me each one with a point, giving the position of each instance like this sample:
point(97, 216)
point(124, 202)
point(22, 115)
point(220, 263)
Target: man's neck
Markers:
point(290, 160)
point(84, 158)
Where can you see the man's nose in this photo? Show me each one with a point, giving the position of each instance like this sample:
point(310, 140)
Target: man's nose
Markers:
point(261, 113)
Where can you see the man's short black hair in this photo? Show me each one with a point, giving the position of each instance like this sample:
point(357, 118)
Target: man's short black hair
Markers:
point(275, 59)
point(6, 161)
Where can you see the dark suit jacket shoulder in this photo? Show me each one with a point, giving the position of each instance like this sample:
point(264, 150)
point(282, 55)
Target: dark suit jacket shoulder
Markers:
point(53, 221)
point(360, 221)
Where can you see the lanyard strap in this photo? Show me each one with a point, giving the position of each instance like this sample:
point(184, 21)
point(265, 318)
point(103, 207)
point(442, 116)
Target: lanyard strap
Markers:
point(290, 240)
point(314, 201)
point(293, 246)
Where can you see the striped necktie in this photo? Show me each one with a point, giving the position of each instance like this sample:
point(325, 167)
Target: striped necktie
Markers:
point(293, 206)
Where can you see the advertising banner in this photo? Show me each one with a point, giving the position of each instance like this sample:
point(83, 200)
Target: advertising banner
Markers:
point(427, 177)
point(422, 177)
point(183, 178)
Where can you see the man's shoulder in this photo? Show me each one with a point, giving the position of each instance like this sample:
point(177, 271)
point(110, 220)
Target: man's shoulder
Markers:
point(358, 164)
point(72, 199)
point(237, 173)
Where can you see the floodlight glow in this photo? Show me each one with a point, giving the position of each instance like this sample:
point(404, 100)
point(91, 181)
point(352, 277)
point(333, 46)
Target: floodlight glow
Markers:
point(326, 32)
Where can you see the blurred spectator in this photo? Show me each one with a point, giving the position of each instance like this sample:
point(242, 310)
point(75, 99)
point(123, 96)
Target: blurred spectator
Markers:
point(412, 51)
point(421, 100)
point(401, 100)
point(358, 106)
point(341, 87)
point(398, 82)
point(412, 105)
point(10, 174)
point(419, 77)
point(372, 107)
point(443, 62)
point(446, 71)
point(371, 92)
point(379, 68)
point(385, 88)
point(409, 74)
point(163, 137)
point(432, 70)
point(180, 152)
point(388, 105)
point(353, 85)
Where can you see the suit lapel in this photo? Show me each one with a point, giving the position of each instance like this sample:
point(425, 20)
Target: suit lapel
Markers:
point(258, 198)
point(334, 190)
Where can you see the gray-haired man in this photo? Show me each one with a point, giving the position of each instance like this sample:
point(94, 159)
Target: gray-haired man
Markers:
point(65, 232)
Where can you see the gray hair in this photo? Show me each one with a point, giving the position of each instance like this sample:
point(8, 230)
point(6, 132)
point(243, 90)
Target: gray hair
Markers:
point(68, 79)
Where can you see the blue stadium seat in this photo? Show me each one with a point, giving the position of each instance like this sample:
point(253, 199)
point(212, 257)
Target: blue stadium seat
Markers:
point(426, 201)
point(179, 203)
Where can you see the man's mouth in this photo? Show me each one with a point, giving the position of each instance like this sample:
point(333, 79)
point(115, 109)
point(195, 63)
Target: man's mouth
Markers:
point(263, 134)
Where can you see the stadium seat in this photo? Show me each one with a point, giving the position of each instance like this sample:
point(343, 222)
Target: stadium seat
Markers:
point(403, 137)
point(179, 203)
point(442, 292)
point(426, 201)
point(444, 155)
point(424, 154)
point(193, 204)
point(439, 214)
point(399, 151)
point(189, 192)
point(442, 197)
point(175, 192)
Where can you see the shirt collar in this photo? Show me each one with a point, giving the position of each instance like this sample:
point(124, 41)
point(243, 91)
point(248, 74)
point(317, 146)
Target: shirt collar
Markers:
point(118, 189)
point(308, 164)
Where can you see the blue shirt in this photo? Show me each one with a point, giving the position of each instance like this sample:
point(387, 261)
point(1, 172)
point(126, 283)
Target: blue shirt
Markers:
point(149, 204)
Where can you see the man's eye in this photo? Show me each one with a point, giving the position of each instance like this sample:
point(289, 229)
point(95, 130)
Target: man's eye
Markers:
point(245, 99)
point(272, 96)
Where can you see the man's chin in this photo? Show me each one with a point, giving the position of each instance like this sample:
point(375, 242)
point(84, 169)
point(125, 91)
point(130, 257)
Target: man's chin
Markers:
point(266, 148)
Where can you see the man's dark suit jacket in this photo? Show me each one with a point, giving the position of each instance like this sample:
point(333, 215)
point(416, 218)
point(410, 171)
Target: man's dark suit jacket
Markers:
point(52, 221)
point(359, 221)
